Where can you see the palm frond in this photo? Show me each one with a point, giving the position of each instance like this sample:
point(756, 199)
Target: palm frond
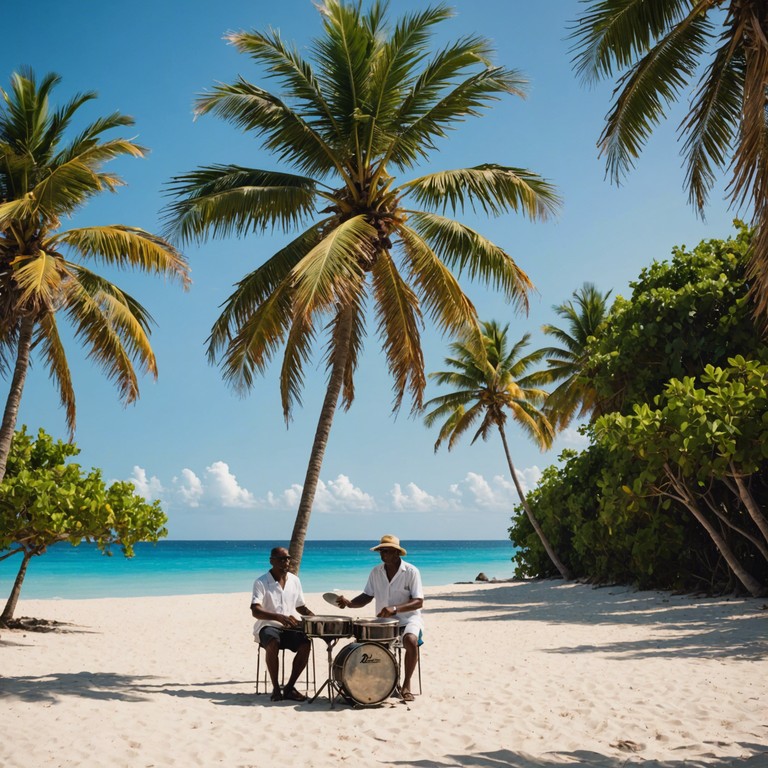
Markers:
point(295, 74)
point(467, 99)
point(257, 338)
point(352, 311)
point(441, 294)
point(298, 348)
point(392, 74)
point(400, 323)
point(653, 83)
point(324, 274)
point(256, 287)
point(225, 200)
point(48, 343)
point(114, 327)
point(494, 189)
point(284, 131)
point(124, 246)
point(614, 33)
point(38, 278)
point(467, 251)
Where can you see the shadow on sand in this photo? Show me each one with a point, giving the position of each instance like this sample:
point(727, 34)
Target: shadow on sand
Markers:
point(507, 759)
point(704, 627)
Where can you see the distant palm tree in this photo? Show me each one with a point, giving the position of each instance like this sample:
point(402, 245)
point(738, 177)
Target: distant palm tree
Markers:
point(661, 45)
point(42, 181)
point(372, 104)
point(575, 397)
point(489, 384)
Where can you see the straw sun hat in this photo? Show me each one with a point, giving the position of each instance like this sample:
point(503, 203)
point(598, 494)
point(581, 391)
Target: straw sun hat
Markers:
point(388, 540)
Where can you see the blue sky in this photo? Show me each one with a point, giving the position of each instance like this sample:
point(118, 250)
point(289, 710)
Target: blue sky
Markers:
point(228, 467)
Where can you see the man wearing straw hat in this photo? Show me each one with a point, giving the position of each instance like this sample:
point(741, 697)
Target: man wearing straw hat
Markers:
point(396, 587)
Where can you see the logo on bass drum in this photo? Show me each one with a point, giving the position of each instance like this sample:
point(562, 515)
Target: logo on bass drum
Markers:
point(367, 659)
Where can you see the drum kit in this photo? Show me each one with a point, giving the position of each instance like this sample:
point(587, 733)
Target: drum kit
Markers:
point(364, 672)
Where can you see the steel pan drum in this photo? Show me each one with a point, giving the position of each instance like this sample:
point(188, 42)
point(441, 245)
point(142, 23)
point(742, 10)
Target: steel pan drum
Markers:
point(326, 627)
point(375, 630)
point(366, 672)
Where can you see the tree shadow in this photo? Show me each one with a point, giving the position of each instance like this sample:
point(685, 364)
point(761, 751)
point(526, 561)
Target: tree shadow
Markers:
point(722, 627)
point(505, 758)
point(105, 686)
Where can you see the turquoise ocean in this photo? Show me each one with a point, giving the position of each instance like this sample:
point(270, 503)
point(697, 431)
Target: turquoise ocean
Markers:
point(215, 567)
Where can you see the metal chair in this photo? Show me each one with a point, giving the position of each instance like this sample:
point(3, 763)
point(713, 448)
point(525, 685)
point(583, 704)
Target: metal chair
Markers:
point(267, 682)
point(398, 648)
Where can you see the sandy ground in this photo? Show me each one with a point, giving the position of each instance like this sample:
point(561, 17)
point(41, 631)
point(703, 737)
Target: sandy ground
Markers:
point(516, 674)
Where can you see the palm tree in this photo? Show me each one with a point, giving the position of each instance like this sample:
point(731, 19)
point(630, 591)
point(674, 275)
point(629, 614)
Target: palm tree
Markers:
point(42, 180)
point(370, 104)
point(662, 45)
point(488, 384)
point(568, 363)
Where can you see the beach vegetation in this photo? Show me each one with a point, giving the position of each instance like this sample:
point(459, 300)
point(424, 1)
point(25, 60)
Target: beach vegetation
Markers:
point(490, 383)
point(46, 499)
point(47, 173)
point(575, 396)
point(670, 491)
point(348, 126)
point(700, 444)
point(717, 52)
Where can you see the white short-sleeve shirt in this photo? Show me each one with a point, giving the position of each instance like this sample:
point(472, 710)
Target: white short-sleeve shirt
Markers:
point(272, 597)
point(405, 585)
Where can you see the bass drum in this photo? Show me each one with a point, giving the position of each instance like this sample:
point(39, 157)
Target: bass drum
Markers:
point(366, 672)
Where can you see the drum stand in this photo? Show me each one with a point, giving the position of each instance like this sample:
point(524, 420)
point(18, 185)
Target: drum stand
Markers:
point(334, 689)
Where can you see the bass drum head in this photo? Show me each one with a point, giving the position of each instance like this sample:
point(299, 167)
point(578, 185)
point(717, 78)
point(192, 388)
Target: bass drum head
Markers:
point(366, 672)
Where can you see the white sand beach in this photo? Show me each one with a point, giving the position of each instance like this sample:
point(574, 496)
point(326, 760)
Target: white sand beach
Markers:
point(517, 674)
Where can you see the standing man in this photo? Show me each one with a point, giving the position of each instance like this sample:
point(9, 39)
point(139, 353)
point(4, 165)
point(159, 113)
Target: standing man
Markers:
point(276, 604)
point(396, 586)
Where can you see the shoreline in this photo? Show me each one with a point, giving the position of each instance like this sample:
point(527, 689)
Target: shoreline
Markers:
point(523, 673)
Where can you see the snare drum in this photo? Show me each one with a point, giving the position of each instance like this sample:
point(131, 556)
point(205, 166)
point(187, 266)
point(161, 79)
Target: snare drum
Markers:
point(375, 630)
point(326, 627)
point(366, 672)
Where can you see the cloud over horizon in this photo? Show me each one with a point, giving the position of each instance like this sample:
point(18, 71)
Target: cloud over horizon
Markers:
point(219, 487)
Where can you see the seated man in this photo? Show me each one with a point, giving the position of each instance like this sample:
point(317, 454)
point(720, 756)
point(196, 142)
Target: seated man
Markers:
point(396, 586)
point(277, 602)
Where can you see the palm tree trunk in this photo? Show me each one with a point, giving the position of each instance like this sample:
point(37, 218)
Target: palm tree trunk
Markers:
point(296, 547)
point(752, 585)
point(561, 567)
point(11, 412)
point(10, 606)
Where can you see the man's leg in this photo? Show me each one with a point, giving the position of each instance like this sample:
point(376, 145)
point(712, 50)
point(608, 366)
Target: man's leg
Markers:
point(299, 665)
point(410, 643)
point(269, 638)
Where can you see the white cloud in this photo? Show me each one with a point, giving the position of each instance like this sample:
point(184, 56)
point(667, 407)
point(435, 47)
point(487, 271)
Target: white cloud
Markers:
point(190, 488)
point(415, 499)
point(149, 487)
point(222, 487)
point(335, 496)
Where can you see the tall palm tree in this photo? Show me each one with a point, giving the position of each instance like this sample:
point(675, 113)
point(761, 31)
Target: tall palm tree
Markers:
point(490, 383)
point(43, 179)
point(661, 46)
point(575, 397)
point(371, 103)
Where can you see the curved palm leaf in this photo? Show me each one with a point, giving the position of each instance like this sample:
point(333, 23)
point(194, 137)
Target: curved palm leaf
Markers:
point(464, 249)
point(124, 246)
point(224, 200)
point(494, 189)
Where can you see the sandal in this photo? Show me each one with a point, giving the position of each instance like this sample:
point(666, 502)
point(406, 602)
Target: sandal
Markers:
point(276, 695)
point(293, 694)
point(407, 695)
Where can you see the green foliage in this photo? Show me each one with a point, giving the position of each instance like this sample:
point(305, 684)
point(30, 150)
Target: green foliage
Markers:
point(45, 499)
point(685, 371)
point(682, 315)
